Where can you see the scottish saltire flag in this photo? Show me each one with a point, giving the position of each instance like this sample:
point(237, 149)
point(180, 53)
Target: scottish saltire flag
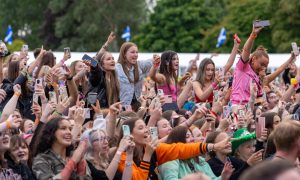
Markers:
point(9, 35)
point(126, 34)
point(221, 38)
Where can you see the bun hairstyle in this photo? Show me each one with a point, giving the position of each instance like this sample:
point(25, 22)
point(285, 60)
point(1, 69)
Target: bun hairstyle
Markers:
point(259, 52)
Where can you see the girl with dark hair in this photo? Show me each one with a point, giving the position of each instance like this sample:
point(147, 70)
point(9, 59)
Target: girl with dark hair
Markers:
point(271, 120)
point(16, 76)
point(17, 158)
point(148, 154)
point(52, 154)
point(207, 80)
point(177, 169)
point(167, 78)
point(103, 78)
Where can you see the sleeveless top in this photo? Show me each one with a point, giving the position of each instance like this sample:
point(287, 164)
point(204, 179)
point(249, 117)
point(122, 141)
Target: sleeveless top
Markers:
point(169, 91)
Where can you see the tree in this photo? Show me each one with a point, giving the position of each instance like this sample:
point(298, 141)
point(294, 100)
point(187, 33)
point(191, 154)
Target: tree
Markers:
point(286, 24)
point(80, 25)
point(239, 20)
point(179, 25)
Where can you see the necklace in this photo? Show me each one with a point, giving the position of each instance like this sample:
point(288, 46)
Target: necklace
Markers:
point(280, 157)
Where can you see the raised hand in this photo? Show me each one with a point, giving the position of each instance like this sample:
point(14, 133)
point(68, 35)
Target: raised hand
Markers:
point(63, 104)
point(79, 153)
point(79, 116)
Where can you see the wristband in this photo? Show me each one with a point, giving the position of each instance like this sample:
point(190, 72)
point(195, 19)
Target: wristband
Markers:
point(128, 163)
point(253, 36)
point(8, 125)
point(58, 113)
point(156, 65)
point(17, 94)
point(54, 84)
point(118, 152)
point(69, 78)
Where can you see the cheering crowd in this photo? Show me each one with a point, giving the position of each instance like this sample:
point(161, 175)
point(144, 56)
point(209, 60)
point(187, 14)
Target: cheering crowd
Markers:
point(127, 119)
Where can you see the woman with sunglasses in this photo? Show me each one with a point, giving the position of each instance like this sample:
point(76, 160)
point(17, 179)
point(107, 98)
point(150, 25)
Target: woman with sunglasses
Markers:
point(98, 154)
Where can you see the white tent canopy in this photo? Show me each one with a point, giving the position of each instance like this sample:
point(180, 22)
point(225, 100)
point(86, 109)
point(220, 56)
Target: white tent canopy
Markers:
point(275, 59)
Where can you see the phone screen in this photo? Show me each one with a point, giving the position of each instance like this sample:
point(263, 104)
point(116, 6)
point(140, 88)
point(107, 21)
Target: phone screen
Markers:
point(92, 98)
point(295, 48)
point(90, 59)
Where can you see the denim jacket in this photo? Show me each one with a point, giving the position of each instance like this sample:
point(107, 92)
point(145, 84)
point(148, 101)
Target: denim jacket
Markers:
point(127, 89)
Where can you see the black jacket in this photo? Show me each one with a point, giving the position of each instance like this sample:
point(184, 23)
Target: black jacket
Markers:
point(98, 85)
point(25, 100)
point(217, 167)
point(22, 169)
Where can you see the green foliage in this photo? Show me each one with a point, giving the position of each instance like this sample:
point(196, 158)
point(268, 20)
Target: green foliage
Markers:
point(16, 45)
point(286, 24)
point(239, 20)
point(179, 25)
point(81, 25)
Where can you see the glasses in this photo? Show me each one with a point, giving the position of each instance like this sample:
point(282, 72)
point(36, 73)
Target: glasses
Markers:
point(101, 139)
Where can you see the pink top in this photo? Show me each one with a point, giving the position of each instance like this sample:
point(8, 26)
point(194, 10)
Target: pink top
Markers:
point(167, 91)
point(243, 75)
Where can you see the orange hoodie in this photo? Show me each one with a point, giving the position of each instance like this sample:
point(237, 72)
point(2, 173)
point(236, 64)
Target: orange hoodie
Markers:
point(165, 153)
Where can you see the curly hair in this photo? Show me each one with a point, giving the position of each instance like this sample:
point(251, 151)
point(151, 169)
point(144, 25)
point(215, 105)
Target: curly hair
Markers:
point(47, 137)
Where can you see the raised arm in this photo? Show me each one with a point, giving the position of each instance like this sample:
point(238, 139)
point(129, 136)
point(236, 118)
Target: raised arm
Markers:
point(280, 69)
point(249, 43)
point(232, 56)
point(110, 39)
point(10, 107)
point(37, 62)
point(111, 119)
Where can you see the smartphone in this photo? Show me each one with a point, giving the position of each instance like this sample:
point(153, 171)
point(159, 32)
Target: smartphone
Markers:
point(39, 81)
point(207, 105)
point(295, 117)
point(52, 96)
point(168, 99)
point(87, 113)
point(160, 92)
point(226, 111)
point(35, 98)
point(236, 37)
point(92, 98)
point(230, 80)
point(241, 113)
point(263, 23)
point(126, 130)
point(67, 50)
point(295, 48)
point(153, 132)
point(216, 95)
point(90, 59)
point(260, 126)
point(25, 48)
point(3, 49)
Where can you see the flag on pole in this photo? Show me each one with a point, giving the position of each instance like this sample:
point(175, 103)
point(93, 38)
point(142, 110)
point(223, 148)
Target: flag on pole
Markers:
point(221, 38)
point(126, 34)
point(9, 35)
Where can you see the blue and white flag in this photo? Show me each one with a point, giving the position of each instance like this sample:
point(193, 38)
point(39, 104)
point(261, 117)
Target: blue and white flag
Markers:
point(221, 38)
point(9, 35)
point(126, 34)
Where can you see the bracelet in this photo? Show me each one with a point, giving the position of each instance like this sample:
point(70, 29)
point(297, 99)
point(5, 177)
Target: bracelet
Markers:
point(69, 78)
point(17, 94)
point(105, 46)
point(8, 125)
point(253, 36)
point(128, 163)
point(58, 113)
point(54, 84)
point(119, 152)
point(117, 161)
